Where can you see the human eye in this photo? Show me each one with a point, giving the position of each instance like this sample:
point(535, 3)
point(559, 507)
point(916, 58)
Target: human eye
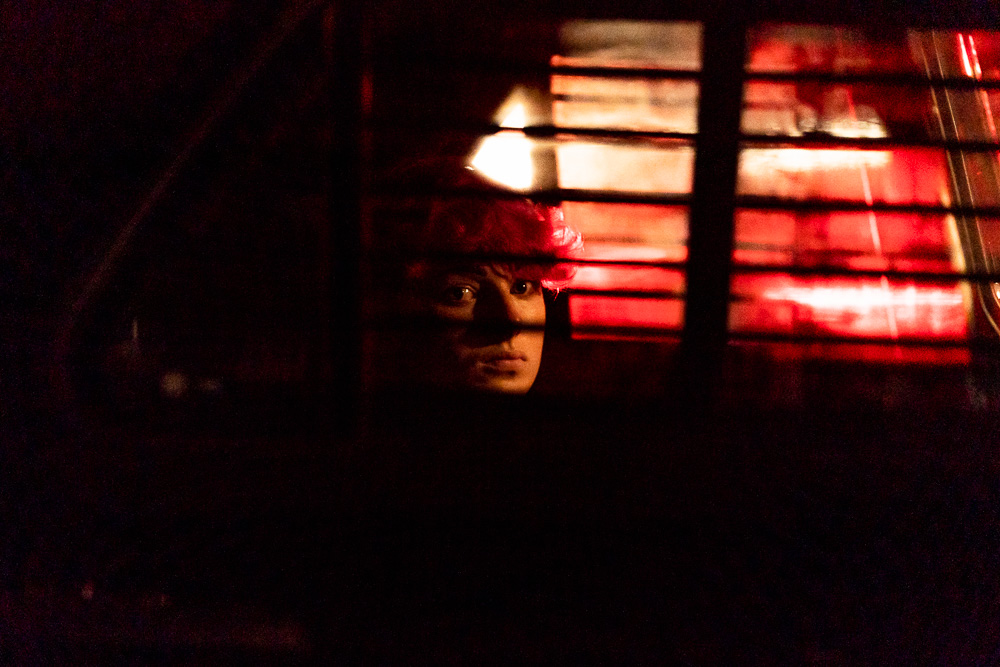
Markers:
point(522, 287)
point(458, 294)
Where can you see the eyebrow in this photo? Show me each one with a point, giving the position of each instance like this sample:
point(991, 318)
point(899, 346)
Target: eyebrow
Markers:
point(478, 271)
point(473, 270)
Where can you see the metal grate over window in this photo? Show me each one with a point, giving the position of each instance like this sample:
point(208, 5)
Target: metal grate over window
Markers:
point(849, 214)
point(867, 171)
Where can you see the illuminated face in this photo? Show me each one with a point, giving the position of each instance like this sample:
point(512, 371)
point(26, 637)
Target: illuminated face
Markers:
point(494, 333)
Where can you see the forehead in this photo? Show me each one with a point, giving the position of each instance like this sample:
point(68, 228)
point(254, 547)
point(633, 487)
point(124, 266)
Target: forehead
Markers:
point(504, 272)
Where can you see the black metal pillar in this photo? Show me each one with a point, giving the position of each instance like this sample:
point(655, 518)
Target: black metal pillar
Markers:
point(710, 240)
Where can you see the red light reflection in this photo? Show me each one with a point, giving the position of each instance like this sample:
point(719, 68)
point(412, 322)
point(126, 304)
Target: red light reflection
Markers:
point(855, 308)
point(663, 312)
point(865, 298)
point(625, 313)
point(772, 303)
point(966, 64)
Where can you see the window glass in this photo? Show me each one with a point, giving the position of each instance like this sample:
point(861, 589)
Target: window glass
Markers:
point(826, 203)
point(649, 298)
point(617, 101)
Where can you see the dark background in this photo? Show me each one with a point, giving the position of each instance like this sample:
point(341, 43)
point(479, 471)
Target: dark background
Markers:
point(833, 515)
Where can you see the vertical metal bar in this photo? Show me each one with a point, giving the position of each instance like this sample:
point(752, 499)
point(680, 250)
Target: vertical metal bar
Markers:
point(710, 239)
point(347, 87)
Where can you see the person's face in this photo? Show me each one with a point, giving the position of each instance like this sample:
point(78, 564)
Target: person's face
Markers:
point(493, 334)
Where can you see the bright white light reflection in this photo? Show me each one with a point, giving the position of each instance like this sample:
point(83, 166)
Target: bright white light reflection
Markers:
point(517, 118)
point(860, 299)
point(505, 157)
point(806, 160)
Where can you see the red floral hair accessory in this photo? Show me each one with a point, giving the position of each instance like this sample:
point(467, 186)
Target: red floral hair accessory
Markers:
point(501, 229)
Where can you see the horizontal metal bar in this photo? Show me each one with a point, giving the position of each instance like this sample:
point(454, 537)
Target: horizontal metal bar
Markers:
point(905, 79)
point(646, 99)
point(444, 64)
point(830, 141)
point(942, 277)
point(753, 202)
point(651, 294)
point(548, 195)
point(841, 205)
point(473, 128)
point(884, 15)
point(935, 277)
point(544, 260)
point(825, 271)
point(397, 323)
point(624, 72)
point(978, 343)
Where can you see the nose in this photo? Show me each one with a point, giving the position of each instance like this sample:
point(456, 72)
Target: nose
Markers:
point(498, 307)
point(500, 315)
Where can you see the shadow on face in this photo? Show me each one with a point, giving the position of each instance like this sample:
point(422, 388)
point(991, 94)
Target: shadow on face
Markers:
point(491, 329)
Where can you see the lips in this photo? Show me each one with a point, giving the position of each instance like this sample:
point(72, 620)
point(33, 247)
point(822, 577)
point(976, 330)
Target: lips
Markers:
point(513, 355)
point(503, 362)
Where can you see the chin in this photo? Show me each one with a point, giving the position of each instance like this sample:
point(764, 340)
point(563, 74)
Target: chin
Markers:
point(512, 390)
point(502, 385)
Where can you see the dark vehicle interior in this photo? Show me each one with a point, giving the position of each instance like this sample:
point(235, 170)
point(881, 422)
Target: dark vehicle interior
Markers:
point(764, 429)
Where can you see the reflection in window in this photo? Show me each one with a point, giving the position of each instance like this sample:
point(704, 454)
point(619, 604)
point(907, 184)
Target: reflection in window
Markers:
point(901, 111)
point(840, 171)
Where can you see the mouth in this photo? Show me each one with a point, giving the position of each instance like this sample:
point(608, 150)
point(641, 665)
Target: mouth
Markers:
point(503, 363)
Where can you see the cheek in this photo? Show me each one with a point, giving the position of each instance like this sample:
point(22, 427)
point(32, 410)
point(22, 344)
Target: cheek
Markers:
point(532, 340)
point(533, 313)
point(455, 314)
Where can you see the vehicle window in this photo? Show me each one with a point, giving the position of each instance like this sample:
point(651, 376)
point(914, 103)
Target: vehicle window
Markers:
point(597, 117)
point(864, 224)
point(847, 247)
point(857, 179)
